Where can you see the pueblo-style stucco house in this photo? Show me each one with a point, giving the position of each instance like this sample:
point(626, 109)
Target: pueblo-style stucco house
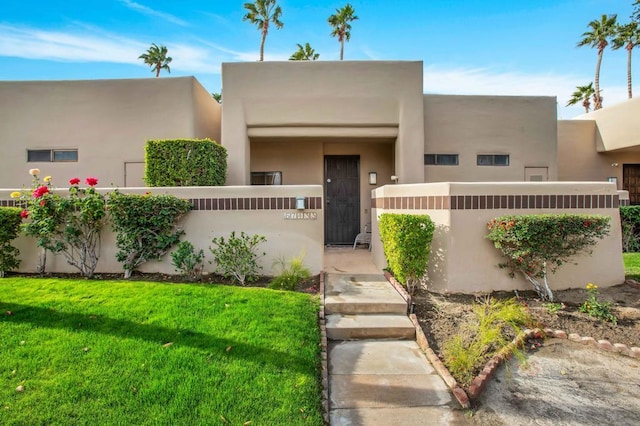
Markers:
point(348, 126)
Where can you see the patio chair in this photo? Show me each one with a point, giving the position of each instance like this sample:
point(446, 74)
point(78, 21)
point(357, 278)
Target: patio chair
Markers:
point(363, 237)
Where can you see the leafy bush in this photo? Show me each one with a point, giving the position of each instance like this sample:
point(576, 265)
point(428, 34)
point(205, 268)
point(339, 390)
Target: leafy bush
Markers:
point(536, 244)
point(187, 261)
point(495, 323)
point(630, 221)
point(406, 240)
point(594, 308)
point(185, 162)
point(290, 274)
point(145, 226)
point(69, 225)
point(10, 220)
point(236, 257)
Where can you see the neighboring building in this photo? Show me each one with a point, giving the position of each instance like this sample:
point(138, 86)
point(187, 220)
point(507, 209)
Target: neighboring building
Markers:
point(96, 127)
point(350, 126)
point(603, 145)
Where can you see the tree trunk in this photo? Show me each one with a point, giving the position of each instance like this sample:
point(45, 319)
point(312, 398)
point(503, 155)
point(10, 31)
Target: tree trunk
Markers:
point(629, 90)
point(127, 274)
point(158, 71)
point(596, 96)
point(42, 261)
point(264, 38)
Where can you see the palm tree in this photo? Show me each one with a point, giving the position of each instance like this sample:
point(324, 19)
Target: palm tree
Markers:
point(217, 96)
point(341, 23)
point(156, 57)
point(628, 36)
point(598, 37)
point(262, 13)
point(304, 53)
point(583, 94)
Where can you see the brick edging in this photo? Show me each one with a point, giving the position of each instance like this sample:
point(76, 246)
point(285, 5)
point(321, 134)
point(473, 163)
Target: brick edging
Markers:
point(399, 288)
point(324, 369)
point(421, 340)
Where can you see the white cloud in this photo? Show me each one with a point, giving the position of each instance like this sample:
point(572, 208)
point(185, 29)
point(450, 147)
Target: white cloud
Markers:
point(95, 45)
point(152, 12)
point(484, 81)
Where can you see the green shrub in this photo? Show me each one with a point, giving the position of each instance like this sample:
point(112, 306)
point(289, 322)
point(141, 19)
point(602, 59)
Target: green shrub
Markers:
point(290, 274)
point(236, 257)
point(630, 221)
point(594, 308)
point(10, 219)
point(187, 261)
point(145, 226)
point(185, 162)
point(536, 244)
point(406, 240)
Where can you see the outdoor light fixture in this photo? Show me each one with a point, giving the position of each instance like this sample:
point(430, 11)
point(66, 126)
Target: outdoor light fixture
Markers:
point(373, 178)
point(300, 203)
point(394, 178)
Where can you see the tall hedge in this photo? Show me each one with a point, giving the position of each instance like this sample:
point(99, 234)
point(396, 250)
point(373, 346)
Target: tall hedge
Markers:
point(10, 220)
point(630, 219)
point(185, 162)
point(406, 240)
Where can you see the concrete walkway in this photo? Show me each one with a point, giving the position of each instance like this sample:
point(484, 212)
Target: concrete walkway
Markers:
point(377, 373)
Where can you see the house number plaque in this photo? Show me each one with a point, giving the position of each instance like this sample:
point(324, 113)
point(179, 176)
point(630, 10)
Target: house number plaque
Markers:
point(301, 216)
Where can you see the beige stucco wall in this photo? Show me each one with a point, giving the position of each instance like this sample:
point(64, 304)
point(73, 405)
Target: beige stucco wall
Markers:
point(285, 238)
point(463, 260)
point(579, 158)
point(108, 121)
point(523, 127)
point(331, 100)
point(617, 126)
point(301, 161)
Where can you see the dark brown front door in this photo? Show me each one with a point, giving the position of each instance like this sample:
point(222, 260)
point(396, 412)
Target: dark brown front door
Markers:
point(631, 181)
point(342, 199)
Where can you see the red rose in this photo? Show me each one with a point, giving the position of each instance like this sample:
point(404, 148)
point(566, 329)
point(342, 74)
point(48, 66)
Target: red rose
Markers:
point(24, 214)
point(74, 181)
point(40, 191)
point(91, 181)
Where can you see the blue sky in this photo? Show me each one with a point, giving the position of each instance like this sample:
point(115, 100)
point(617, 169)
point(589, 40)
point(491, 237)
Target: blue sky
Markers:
point(509, 47)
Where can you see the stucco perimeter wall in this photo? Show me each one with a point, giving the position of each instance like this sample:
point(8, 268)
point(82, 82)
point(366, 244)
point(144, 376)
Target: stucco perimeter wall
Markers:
point(464, 261)
point(267, 211)
point(524, 127)
point(107, 121)
point(331, 100)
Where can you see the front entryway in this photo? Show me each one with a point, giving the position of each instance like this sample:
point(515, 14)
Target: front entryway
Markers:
point(342, 198)
point(631, 182)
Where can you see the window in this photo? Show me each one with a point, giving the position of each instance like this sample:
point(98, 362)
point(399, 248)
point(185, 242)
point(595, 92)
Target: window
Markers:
point(441, 159)
point(266, 178)
point(49, 155)
point(493, 160)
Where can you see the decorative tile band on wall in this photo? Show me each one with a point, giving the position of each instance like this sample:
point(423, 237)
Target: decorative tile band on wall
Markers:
point(253, 203)
point(489, 202)
point(625, 202)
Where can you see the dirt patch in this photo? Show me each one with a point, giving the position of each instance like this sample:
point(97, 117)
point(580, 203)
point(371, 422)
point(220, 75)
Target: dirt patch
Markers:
point(442, 316)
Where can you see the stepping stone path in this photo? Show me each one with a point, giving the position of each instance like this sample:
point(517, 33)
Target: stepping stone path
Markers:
point(377, 373)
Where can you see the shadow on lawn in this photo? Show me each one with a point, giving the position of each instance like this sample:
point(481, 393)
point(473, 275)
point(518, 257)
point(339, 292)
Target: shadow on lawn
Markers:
point(48, 318)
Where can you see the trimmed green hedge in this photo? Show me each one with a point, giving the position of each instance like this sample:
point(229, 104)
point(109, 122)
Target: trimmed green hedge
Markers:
point(406, 240)
point(10, 221)
point(185, 162)
point(630, 220)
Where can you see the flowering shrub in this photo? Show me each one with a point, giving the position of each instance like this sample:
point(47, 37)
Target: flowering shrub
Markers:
point(236, 257)
point(594, 308)
point(68, 225)
point(9, 227)
point(537, 244)
point(406, 240)
point(145, 226)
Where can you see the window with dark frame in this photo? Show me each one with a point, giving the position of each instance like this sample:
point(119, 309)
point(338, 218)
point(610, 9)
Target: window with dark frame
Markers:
point(52, 155)
point(266, 178)
point(493, 160)
point(441, 159)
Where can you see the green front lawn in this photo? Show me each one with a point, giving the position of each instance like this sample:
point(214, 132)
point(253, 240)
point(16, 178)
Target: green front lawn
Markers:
point(117, 352)
point(632, 265)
